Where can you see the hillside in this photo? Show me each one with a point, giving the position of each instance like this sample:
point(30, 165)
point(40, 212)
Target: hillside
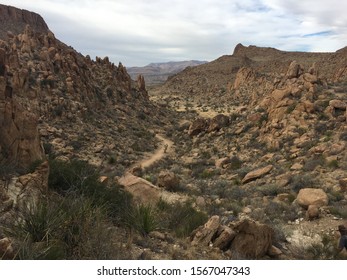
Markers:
point(157, 73)
point(243, 157)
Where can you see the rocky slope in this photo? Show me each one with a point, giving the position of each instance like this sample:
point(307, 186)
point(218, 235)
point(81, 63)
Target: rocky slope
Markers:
point(253, 165)
point(260, 130)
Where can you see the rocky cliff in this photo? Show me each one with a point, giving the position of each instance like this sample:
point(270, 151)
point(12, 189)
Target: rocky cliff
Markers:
point(14, 20)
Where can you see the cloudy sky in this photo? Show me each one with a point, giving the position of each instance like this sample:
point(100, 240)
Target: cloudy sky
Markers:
point(138, 32)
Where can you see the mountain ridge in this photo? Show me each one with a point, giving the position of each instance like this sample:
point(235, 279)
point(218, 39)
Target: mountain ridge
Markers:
point(157, 73)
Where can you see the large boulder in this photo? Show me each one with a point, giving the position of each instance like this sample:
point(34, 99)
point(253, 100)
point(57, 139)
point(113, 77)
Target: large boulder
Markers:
point(294, 70)
point(168, 180)
point(145, 192)
point(255, 174)
point(252, 241)
point(225, 237)
point(199, 125)
point(26, 190)
point(311, 196)
point(218, 122)
point(204, 234)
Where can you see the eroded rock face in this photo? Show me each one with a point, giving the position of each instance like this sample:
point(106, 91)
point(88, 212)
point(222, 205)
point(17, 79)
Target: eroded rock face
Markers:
point(15, 19)
point(19, 139)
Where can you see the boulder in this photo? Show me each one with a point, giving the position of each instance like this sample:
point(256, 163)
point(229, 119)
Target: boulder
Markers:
point(220, 163)
point(145, 192)
point(255, 174)
point(197, 126)
point(274, 252)
point(311, 196)
point(204, 234)
point(252, 241)
point(6, 250)
point(168, 180)
point(225, 237)
point(312, 212)
point(338, 104)
point(26, 190)
point(218, 122)
point(343, 184)
point(294, 70)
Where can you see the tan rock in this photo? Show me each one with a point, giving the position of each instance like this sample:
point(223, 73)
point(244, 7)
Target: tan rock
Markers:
point(253, 240)
point(197, 126)
point(168, 180)
point(225, 237)
point(297, 166)
point(312, 212)
point(217, 122)
point(243, 76)
point(141, 83)
point(310, 78)
point(255, 174)
point(204, 234)
point(6, 250)
point(311, 196)
point(145, 192)
point(274, 252)
point(343, 184)
point(336, 148)
point(294, 70)
point(220, 163)
point(338, 104)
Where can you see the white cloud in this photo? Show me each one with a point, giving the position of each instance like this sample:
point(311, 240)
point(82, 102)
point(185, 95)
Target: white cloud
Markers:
point(138, 32)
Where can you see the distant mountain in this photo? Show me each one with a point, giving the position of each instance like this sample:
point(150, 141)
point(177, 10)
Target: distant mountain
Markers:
point(157, 73)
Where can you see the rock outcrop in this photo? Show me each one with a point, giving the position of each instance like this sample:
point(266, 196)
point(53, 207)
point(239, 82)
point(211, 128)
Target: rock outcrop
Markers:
point(14, 20)
point(246, 239)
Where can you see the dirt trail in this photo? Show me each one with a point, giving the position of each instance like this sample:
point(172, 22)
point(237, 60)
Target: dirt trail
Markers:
point(158, 154)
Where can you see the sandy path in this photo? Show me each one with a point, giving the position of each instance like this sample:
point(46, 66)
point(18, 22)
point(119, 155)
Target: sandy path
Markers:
point(158, 154)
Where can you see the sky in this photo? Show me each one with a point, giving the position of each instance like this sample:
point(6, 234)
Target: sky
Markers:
point(139, 32)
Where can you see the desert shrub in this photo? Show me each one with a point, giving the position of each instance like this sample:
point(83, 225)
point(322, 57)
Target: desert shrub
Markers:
point(268, 190)
point(82, 179)
point(343, 136)
point(32, 167)
point(235, 193)
point(235, 163)
point(312, 163)
point(181, 218)
point(62, 228)
point(333, 164)
point(143, 219)
point(300, 181)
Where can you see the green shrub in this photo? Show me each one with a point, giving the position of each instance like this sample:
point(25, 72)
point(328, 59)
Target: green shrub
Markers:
point(82, 179)
point(143, 218)
point(68, 227)
point(300, 181)
point(181, 218)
